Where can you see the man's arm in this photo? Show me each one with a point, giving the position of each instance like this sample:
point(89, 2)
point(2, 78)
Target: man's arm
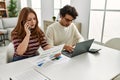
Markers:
point(78, 36)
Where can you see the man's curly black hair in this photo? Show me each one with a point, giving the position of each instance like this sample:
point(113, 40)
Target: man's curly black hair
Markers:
point(68, 10)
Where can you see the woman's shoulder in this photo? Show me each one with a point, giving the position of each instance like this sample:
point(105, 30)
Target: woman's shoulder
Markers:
point(15, 35)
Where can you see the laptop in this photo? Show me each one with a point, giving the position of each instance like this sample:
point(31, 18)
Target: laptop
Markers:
point(80, 48)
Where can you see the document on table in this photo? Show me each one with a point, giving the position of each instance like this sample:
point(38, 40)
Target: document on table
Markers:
point(31, 74)
point(52, 51)
point(47, 55)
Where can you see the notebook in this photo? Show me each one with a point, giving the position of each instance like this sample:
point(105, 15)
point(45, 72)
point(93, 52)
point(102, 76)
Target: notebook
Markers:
point(80, 48)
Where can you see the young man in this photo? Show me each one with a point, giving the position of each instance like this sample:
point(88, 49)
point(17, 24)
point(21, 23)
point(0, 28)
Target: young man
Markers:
point(64, 31)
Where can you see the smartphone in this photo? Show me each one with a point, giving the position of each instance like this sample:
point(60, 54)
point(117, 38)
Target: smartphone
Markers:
point(29, 28)
point(94, 50)
point(23, 23)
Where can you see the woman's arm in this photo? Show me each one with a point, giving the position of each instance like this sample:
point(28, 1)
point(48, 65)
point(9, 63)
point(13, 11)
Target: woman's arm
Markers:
point(47, 47)
point(22, 47)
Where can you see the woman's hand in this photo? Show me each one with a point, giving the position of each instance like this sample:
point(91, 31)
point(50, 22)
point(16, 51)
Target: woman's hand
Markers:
point(26, 27)
point(57, 55)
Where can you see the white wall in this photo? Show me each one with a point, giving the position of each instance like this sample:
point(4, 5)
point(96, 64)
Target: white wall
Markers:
point(83, 8)
point(47, 10)
point(7, 2)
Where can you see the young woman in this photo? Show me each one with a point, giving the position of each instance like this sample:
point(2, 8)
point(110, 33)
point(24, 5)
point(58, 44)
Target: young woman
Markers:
point(27, 37)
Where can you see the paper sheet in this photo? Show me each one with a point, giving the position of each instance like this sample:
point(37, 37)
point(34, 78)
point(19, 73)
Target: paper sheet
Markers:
point(47, 56)
point(31, 74)
point(52, 51)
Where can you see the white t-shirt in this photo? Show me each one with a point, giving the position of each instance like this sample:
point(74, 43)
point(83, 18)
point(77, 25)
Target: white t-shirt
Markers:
point(57, 34)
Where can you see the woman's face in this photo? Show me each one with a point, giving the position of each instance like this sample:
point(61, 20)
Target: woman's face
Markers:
point(31, 20)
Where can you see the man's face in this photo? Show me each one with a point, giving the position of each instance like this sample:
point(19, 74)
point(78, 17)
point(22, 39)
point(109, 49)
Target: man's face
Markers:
point(66, 20)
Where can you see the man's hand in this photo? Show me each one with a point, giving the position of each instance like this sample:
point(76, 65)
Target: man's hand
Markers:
point(68, 48)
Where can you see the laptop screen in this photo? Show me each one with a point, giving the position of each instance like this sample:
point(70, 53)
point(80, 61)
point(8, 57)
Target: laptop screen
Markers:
point(83, 46)
point(80, 48)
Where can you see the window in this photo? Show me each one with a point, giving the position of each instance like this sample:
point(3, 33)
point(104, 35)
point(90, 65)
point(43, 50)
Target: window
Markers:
point(36, 5)
point(104, 20)
point(59, 4)
point(23, 3)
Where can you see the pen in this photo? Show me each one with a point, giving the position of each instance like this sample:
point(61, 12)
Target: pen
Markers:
point(40, 64)
point(56, 58)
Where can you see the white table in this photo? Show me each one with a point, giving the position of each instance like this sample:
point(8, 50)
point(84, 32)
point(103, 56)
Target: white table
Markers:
point(3, 55)
point(87, 66)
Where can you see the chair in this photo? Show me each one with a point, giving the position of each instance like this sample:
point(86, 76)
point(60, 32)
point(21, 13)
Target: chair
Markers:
point(113, 43)
point(10, 52)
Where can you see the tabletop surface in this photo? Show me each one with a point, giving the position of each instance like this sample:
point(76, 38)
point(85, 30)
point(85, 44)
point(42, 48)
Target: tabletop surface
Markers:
point(101, 66)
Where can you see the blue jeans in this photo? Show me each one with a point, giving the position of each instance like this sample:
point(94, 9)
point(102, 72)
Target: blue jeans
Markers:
point(17, 57)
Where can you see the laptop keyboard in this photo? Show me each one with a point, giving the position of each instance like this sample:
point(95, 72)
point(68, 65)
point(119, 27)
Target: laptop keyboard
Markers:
point(67, 53)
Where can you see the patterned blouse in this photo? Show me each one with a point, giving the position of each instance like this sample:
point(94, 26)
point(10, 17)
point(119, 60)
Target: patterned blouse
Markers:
point(33, 45)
